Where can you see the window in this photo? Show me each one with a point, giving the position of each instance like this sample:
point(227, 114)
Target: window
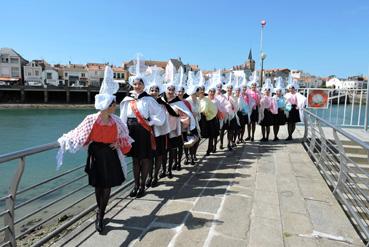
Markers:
point(83, 75)
point(37, 73)
point(29, 73)
point(118, 75)
point(115, 75)
point(48, 76)
point(66, 74)
point(14, 60)
point(15, 72)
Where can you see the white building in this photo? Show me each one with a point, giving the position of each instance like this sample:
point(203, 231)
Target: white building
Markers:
point(172, 68)
point(51, 77)
point(75, 75)
point(11, 65)
point(33, 73)
point(95, 73)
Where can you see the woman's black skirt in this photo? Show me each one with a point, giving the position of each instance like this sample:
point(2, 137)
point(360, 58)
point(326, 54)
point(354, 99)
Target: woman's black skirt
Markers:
point(161, 145)
point(141, 147)
point(244, 118)
point(294, 115)
point(279, 118)
point(254, 115)
point(103, 166)
point(268, 118)
point(212, 127)
point(175, 142)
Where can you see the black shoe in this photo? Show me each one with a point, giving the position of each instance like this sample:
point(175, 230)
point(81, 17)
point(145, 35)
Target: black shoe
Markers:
point(252, 139)
point(234, 145)
point(178, 167)
point(289, 138)
point(230, 148)
point(238, 142)
point(99, 223)
point(154, 183)
point(276, 139)
point(221, 147)
point(207, 153)
point(170, 175)
point(193, 162)
point(133, 192)
point(148, 182)
point(187, 161)
point(248, 139)
point(262, 139)
point(140, 193)
point(195, 158)
point(162, 175)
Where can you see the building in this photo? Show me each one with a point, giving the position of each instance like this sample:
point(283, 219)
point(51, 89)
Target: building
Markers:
point(95, 74)
point(50, 76)
point(33, 72)
point(75, 75)
point(173, 67)
point(248, 66)
point(11, 66)
point(120, 74)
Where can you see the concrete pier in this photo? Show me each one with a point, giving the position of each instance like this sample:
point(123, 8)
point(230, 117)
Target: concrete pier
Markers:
point(261, 194)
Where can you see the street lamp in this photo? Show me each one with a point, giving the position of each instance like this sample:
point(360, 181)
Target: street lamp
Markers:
point(262, 56)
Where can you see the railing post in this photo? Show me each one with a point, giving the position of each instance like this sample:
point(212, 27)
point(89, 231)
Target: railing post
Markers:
point(10, 203)
point(323, 143)
point(306, 126)
point(366, 107)
point(343, 163)
point(313, 137)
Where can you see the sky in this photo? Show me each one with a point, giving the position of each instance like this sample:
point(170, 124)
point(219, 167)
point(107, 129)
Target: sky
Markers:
point(322, 37)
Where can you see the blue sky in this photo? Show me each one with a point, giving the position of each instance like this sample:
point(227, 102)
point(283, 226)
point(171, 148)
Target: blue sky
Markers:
point(321, 37)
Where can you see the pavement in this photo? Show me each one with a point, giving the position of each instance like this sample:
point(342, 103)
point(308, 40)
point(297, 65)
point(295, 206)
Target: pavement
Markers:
point(260, 194)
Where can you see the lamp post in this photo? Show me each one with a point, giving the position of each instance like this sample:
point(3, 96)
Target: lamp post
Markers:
point(262, 56)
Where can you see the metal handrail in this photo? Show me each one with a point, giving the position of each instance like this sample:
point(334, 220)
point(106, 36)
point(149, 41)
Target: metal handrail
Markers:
point(28, 151)
point(49, 179)
point(349, 182)
point(10, 200)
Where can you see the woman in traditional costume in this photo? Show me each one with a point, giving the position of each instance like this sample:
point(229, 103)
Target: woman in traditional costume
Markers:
point(279, 118)
point(255, 95)
point(155, 88)
point(267, 108)
point(295, 103)
point(141, 112)
point(175, 124)
point(107, 139)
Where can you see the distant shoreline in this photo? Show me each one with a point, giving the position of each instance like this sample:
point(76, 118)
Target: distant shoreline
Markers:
point(46, 106)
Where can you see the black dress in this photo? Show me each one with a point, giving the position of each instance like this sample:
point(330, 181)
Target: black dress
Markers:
point(103, 166)
point(294, 115)
point(268, 118)
point(254, 117)
point(279, 118)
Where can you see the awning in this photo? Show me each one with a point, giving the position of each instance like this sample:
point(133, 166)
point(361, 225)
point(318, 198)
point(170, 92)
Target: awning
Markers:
point(9, 79)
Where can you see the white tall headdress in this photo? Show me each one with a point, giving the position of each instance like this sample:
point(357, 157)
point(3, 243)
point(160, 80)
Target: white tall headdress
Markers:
point(253, 79)
point(279, 85)
point(107, 90)
point(267, 85)
point(138, 70)
point(231, 81)
point(155, 79)
point(240, 78)
point(192, 83)
point(292, 82)
point(180, 80)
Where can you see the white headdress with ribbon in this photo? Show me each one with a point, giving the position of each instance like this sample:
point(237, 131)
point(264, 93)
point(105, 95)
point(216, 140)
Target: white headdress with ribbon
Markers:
point(279, 85)
point(253, 79)
point(268, 85)
point(138, 70)
point(192, 83)
point(155, 78)
point(107, 90)
point(292, 83)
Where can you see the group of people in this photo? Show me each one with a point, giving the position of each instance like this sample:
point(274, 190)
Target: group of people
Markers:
point(162, 120)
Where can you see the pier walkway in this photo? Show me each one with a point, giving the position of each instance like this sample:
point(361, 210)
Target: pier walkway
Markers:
point(261, 194)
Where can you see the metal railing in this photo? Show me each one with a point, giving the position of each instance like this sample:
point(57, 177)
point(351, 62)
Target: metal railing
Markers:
point(346, 107)
point(57, 205)
point(345, 171)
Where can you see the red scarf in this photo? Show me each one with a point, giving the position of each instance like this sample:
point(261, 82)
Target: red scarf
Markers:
point(143, 123)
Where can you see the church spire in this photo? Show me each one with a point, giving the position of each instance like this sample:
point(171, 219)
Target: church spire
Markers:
point(250, 55)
